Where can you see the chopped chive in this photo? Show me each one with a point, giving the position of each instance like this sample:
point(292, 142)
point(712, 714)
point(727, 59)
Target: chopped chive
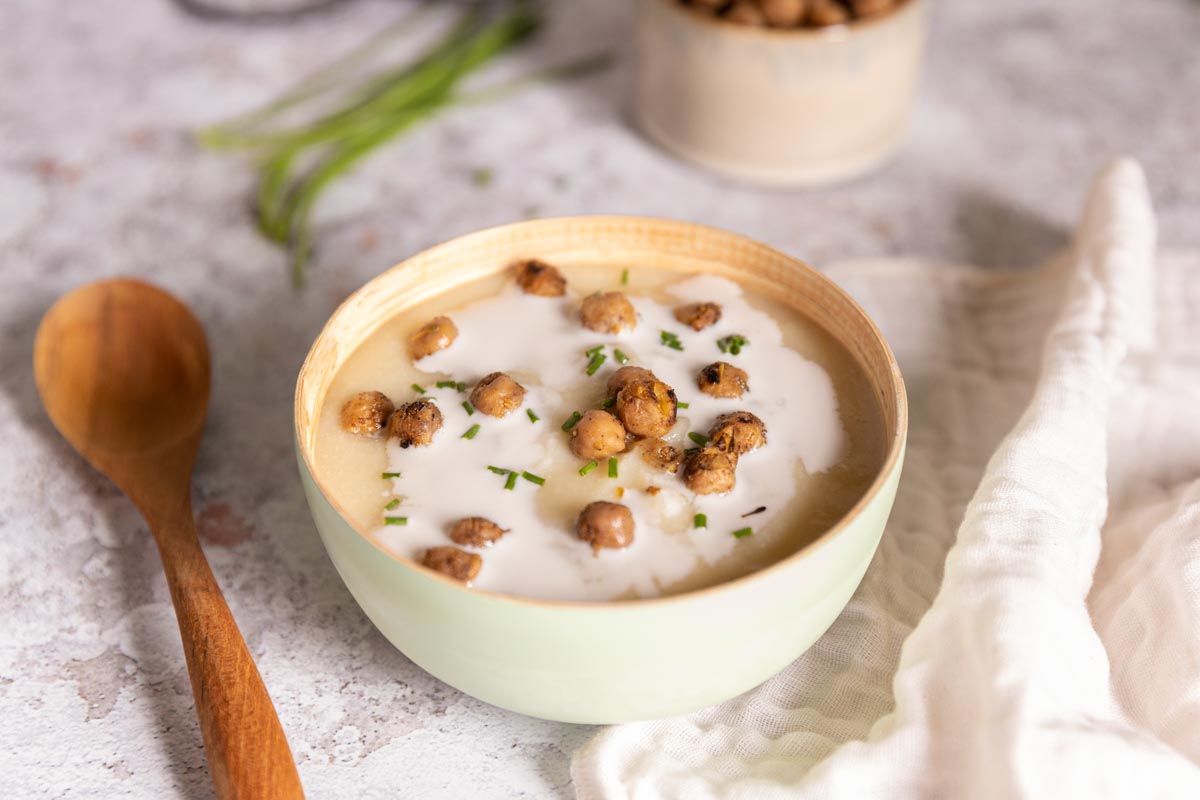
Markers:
point(698, 438)
point(395, 520)
point(670, 340)
point(571, 420)
point(700, 521)
point(532, 416)
point(588, 467)
point(682, 404)
point(612, 468)
point(608, 403)
point(471, 431)
point(481, 177)
point(392, 504)
point(594, 364)
point(470, 408)
point(538, 479)
point(462, 387)
point(620, 356)
point(742, 533)
point(732, 344)
point(446, 385)
point(387, 475)
point(592, 353)
point(512, 481)
point(625, 276)
point(723, 345)
point(691, 451)
point(499, 470)
point(418, 388)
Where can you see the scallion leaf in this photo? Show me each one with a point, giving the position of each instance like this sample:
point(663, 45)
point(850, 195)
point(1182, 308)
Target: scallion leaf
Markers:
point(469, 408)
point(700, 521)
point(620, 356)
point(597, 360)
point(571, 420)
point(625, 277)
point(588, 467)
point(446, 385)
point(471, 431)
point(462, 387)
point(742, 533)
point(682, 404)
point(592, 353)
point(395, 520)
point(698, 438)
point(387, 475)
point(418, 388)
point(538, 479)
point(612, 468)
point(499, 470)
point(392, 504)
point(512, 481)
point(608, 403)
point(532, 416)
point(670, 340)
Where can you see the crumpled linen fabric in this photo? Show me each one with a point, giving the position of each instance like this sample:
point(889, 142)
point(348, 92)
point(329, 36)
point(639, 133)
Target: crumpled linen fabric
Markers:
point(1030, 626)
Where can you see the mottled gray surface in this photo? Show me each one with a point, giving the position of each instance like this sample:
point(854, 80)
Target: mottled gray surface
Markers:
point(1023, 102)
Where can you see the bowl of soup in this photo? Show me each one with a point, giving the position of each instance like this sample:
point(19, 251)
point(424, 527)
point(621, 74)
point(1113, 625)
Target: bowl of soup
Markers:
point(600, 469)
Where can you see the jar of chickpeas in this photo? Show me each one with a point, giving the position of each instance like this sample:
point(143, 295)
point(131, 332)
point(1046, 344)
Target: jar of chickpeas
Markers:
point(786, 92)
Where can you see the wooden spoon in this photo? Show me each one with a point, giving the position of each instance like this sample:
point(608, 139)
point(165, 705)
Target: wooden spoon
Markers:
point(123, 371)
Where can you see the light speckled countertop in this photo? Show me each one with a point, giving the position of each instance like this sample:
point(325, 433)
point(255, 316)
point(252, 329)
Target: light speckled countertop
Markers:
point(1022, 102)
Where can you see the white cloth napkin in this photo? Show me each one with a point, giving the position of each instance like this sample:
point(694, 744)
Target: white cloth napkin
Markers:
point(1030, 626)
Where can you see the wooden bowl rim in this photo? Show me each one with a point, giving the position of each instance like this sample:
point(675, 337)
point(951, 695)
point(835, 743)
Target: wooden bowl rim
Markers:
point(895, 390)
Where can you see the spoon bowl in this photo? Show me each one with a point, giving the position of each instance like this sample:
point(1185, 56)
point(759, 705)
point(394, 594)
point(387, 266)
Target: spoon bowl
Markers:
point(123, 371)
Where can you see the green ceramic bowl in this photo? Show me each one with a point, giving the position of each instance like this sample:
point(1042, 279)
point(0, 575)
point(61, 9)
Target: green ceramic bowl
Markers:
point(618, 661)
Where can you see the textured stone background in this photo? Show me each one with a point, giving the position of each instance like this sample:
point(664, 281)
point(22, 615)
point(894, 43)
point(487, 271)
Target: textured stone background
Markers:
point(1023, 101)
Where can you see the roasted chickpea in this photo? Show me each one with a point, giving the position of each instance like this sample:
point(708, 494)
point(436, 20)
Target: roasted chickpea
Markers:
point(497, 395)
point(626, 375)
point(710, 471)
point(458, 564)
point(744, 12)
point(647, 408)
point(602, 524)
point(699, 315)
point(783, 13)
point(610, 312)
point(537, 277)
point(475, 532)
point(366, 413)
point(723, 380)
point(415, 423)
point(598, 434)
point(826, 12)
point(660, 454)
point(437, 334)
point(738, 432)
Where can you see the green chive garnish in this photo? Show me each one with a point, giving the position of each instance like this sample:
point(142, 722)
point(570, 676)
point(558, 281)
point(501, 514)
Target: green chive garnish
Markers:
point(387, 475)
point(588, 467)
point(419, 389)
point(612, 468)
point(538, 479)
point(700, 521)
point(732, 344)
point(592, 353)
point(742, 533)
point(512, 481)
point(571, 420)
point(471, 431)
point(470, 408)
point(499, 470)
point(462, 387)
point(691, 451)
point(682, 404)
point(446, 385)
point(670, 340)
point(392, 504)
point(395, 520)
point(620, 356)
point(608, 403)
point(698, 438)
point(532, 416)
point(594, 364)
point(625, 276)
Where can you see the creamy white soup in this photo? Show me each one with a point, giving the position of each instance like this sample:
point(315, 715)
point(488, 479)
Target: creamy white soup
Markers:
point(527, 477)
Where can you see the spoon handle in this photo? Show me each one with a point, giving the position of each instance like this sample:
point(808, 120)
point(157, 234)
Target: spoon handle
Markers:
point(247, 751)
